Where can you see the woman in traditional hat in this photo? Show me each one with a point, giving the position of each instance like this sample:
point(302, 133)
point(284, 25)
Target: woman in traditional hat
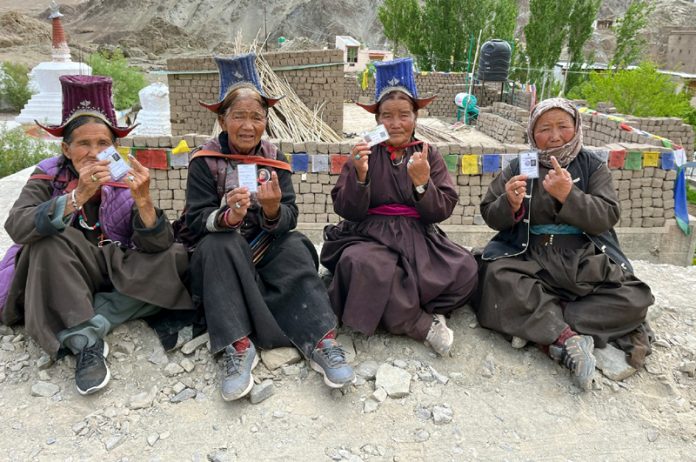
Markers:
point(555, 273)
point(391, 264)
point(256, 279)
point(91, 252)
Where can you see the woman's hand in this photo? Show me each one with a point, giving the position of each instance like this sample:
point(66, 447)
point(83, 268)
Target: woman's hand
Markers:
point(238, 200)
point(361, 157)
point(515, 190)
point(138, 181)
point(91, 177)
point(558, 182)
point(269, 195)
point(418, 169)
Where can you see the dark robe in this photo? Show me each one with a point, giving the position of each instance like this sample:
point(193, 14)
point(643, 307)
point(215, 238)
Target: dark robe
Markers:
point(57, 275)
point(280, 300)
point(570, 281)
point(396, 270)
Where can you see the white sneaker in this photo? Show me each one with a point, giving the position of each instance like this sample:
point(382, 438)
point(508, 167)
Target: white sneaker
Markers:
point(440, 337)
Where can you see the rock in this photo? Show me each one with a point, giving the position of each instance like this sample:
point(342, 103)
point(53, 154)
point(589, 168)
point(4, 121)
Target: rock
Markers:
point(291, 371)
point(662, 343)
point(183, 396)
point(423, 413)
point(443, 379)
point(395, 381)
point(279, 357)
point(218, 456)
point(379, 395)
point(45, 376)
point(78, 427)
point(143, 400)
point(191, 346)
point(125, 347)
point(488, 366)
point(688, 367)
point(612, 362)
point(7, 347)
point(346, 341)
point(442, 415)
point(652, 435)
point(370, 405)
point(518, 342)
point(114, 441)
point(400, 363)
point(152, 439)
point(44, 362)
point(44, 389)
point(425, 376)
point(184, 336)
point(178, 387)
point(187, 365)
point(165, 435)
point(173, 369)
point(158, 356)
point(5, 330)
point(261, 392)
point(367, 369)
point(422, 435)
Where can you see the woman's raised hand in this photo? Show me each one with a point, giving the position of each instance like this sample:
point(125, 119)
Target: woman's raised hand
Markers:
point(418, 168)
point(91, 177)
point(558, 182)
point(238, 200)
point(515, 190)
point(269, 195)
point(361, 156)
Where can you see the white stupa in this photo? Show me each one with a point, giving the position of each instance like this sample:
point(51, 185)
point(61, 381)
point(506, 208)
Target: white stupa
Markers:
point(46, 105)
point(154, 116)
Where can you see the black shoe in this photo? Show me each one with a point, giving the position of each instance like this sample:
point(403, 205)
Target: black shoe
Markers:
point(91, 372)
point(576, 355)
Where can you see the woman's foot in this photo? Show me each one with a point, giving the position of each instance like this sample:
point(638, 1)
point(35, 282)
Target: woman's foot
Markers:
point(91, 372)
point(239, 360)
point(440, 337)
point(576, 354)
point(329, 359)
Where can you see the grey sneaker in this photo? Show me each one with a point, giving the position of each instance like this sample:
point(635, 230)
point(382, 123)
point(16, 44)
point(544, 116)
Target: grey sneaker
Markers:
point(576, 355)
point(440, 337)
point(329, 359)
point(91, 372)
point(237, 380)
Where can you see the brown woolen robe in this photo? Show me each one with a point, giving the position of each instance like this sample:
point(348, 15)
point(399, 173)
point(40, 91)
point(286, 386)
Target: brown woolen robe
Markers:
point(395, 270)
point(57, 276)
point(537, 294)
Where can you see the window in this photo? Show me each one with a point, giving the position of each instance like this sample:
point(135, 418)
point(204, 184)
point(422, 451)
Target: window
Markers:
point(352, 55)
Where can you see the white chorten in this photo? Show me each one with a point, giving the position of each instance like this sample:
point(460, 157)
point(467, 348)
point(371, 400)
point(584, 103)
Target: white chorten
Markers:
point(154, 116)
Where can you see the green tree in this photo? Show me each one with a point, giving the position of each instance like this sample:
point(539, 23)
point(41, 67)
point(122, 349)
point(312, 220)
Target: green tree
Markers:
point(399, 18)
point(630, 43)
point(14, 85)
point(580, 30)
point(128, 81)
point(642, 92)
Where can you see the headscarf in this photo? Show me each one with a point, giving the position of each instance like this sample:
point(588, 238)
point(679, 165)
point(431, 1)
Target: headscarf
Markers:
point(566, 153)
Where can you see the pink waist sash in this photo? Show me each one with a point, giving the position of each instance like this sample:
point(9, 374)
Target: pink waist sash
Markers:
point(394, 210)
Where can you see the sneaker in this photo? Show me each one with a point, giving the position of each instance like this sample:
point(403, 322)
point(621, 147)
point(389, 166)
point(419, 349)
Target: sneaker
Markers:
point(238, 365)
point(91, 372)
point(440, 337)
point(576, 355)
point(329, 359)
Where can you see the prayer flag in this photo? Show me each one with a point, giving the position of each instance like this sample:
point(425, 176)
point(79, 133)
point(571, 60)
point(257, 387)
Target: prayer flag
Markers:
point(667, 161)
point(300, 162)
point(651, 159)
point(634, 160)
point(337, 161)
point(470, 164)
point(152, 158)
point(452, 162)
point(490, 163)
point(320, 163)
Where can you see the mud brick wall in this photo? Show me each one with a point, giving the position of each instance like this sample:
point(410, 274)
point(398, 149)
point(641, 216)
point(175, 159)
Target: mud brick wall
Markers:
point(599, 130)
point(504, 122)
point(646, 195)
point(317, 79)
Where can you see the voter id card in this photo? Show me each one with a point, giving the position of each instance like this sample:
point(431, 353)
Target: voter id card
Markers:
point(247, 174)
point(375, 136)
point(529, 164)
point(117, 166)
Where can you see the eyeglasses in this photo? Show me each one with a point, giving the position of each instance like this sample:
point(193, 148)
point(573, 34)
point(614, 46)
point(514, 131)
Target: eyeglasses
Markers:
point(242, 116)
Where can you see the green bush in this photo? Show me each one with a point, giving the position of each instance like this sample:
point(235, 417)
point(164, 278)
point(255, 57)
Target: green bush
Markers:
point(14, 85)
point(19, 151)
point(128, 81)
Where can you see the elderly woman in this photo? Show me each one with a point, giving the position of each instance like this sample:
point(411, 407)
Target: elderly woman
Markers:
point(392, 265)
point(94, 252)
point(256, 279)
point(555, 273)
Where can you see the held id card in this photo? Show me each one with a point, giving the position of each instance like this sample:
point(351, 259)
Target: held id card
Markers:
point(529, 164)
point(117, 166)
point(247, 175)
point(375, 136)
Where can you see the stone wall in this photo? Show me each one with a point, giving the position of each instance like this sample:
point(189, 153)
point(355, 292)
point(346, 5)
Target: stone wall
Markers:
point(316, 77)
point(504, 122)
point(445, 86)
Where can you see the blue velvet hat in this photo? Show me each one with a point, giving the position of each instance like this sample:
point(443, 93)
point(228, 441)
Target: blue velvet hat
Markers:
point(237, 72)
point(395, 75)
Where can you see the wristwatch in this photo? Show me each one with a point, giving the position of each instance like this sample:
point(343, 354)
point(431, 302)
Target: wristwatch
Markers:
point(420, 189)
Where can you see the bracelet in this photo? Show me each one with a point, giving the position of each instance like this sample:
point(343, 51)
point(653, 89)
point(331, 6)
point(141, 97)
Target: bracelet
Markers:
point(73, 201)
point(225, 217)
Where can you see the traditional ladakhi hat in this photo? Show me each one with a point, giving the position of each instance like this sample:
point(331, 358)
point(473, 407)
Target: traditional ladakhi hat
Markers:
point(87, 95)
point(238, 72)
point(395, 75)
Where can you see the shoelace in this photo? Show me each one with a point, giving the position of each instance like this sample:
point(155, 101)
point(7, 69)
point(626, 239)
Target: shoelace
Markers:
point(90, 356)
point(334, 354)
point(233, 360)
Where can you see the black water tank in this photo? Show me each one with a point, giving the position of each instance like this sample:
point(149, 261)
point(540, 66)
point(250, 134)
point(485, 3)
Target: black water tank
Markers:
point(494, 61)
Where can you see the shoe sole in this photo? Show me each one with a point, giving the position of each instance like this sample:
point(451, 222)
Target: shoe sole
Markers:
point(328, 382)
point(104, 382)
point(249, 386)
point(582, 380)
point(450, 335)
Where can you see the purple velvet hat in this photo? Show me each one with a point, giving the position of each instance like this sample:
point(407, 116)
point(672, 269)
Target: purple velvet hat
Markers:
point(395, 75)
point(87, 95)
point(235, 72)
